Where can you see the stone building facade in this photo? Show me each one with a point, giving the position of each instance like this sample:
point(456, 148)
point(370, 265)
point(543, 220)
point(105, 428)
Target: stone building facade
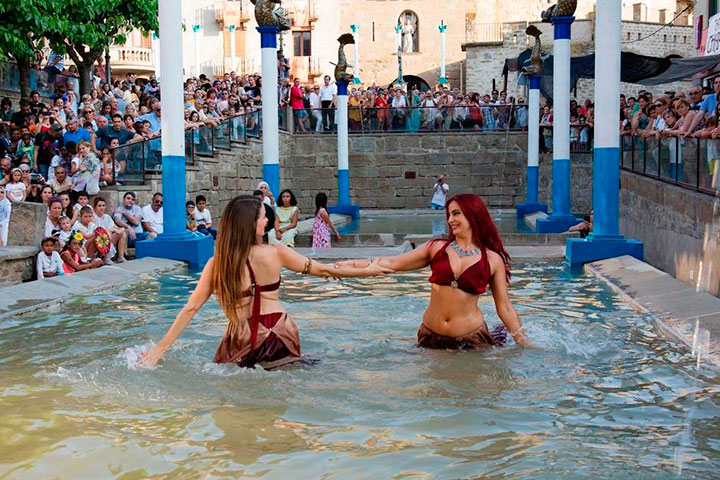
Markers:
point(485, 60)
point(310, 45)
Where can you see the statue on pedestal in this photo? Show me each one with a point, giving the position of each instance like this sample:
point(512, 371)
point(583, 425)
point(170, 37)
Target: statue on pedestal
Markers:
point(564, 8)
point(537, 65)
point(341, 67)
point(269, 16)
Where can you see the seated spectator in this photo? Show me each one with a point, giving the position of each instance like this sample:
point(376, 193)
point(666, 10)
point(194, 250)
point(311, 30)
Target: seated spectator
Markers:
point(203, 219)
point(190, 216)
point(63, 235)
point(6, 111)
point(82, 200)
point(152, 217)
point(52, 222)
point(60, 182)
point(286, 219)
point(116, 130)
point(118, 235)
point(87, 227)
point(70, 255)
point(5, 210)
point(585, 227)
point(49, 263)
point(67, 204)
point(129, 217)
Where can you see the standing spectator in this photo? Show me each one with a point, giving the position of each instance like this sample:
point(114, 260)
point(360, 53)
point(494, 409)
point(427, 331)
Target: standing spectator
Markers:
point(6, 111)
point(88, 178)
point(152, 217)
point(315, 108)
point(5, 210)
point(521, 115)
point(18, 119)
point(73, 132)
point(155, 124)
point(269, 214)
point(116, 130)
point(322, 224)
point(16, 190)
point(298, 106)
point(46, 144)
point(328, 99)
point(440, 190)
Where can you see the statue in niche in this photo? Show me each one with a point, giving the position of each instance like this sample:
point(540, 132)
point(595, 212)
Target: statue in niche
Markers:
point(409, 32)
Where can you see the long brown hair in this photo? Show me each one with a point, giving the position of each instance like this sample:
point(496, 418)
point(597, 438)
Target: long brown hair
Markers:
point(236, 237)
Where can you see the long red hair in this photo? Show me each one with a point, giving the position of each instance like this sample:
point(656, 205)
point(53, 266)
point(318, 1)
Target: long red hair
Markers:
point(484, 231)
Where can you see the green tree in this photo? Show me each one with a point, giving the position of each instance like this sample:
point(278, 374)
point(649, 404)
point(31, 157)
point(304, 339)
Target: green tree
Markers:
point(20, 22)
point(88, 27)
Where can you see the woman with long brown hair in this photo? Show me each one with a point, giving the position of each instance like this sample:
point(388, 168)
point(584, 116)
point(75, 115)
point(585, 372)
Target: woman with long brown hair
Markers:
point(463, 266)
point(245, 275)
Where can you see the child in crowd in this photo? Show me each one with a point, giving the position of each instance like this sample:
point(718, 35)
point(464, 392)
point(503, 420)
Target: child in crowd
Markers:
point(16, 190)
point(83, 200)
point(63, 235)
point(70, 255)
point(190, 216)
point(87, 227)
point(322, 224)
point(203, 219)
point(49, 263)
point(574, 132)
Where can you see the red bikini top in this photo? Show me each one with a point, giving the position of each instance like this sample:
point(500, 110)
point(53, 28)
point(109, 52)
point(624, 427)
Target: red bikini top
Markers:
point(255, 291)
point(473, 280)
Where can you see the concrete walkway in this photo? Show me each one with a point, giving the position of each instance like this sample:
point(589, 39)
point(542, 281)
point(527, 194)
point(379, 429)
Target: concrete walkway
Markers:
point(679, 309)
point(51, 293)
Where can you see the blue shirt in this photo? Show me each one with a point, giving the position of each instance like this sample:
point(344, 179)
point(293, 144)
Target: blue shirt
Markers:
point(80, 135)
point(709, 104)
point(154, 127)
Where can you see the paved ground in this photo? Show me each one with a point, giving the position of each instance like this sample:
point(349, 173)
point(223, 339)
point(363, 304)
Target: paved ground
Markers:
point(681, 311)
point(51, 293)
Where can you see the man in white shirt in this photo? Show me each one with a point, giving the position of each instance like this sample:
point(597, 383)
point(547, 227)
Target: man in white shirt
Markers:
point(439, 193)
point(328, 99)
point(315, 106)
point(152, 217)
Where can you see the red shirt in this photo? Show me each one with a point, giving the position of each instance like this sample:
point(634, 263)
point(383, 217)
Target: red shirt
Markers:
point(296, 98)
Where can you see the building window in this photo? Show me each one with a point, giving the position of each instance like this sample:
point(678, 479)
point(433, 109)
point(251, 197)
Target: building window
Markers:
point(302, 44)
point(638, 10)
point(661, 16)
point(410, 31)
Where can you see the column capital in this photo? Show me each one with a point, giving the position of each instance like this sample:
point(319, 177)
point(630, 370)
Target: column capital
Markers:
point(342, 87)
point(196, 28)
point(442, 28)
point(535, 81)
point(563, 27)
point(268, 36)
point(354, 27)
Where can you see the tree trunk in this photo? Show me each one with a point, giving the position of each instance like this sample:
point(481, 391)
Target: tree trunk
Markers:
point(85, 72)
point(24, 69)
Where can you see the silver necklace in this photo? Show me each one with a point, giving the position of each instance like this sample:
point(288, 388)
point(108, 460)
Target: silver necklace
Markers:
point(464, 253)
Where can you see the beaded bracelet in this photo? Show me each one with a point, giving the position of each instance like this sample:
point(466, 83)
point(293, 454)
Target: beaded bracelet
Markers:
point(308, 264)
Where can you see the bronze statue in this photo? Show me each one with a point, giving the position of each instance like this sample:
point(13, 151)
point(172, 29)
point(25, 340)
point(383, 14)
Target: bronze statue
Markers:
point(268, 16)
point(341, 67)
point(537, 65)
point(563, 8)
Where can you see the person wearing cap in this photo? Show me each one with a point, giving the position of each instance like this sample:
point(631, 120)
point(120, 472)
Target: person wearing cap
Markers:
point(46, 144)
point(49, 263)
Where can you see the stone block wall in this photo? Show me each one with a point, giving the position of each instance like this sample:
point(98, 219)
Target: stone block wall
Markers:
point(680, 229)
point(27, 223)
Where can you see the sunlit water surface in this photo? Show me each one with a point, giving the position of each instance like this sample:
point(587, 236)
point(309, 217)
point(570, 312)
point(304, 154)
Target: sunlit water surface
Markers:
point(604, 397)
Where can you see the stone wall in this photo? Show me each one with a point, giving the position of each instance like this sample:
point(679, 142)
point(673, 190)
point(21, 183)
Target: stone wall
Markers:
point(680, 229)
point(27, 223)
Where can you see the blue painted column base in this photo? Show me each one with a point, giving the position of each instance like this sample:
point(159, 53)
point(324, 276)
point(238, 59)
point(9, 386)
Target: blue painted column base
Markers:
point(346, 209)
point(595, 247)
point(191, 248)
point(522, 209)
point(556, 224)
point(271, 174)
point(442, 80)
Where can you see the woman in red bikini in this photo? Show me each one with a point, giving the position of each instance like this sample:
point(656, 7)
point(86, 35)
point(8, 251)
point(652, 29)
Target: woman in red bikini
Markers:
point(463, 266)
point(245, 275)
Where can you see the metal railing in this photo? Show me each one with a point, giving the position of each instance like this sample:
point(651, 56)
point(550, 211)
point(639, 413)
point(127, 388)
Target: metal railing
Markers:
point(692, 163)
point(40, 80)
point(581, 138)
point(135, 160)
point(483, 33)
point(477, 118)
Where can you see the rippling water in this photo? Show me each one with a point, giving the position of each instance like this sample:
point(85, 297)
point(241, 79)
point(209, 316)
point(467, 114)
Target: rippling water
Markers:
point(605, 396)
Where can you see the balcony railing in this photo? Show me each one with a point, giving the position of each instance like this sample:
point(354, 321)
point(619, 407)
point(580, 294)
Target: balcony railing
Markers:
point(692, 163)
point(483, 33)
point(132, 56)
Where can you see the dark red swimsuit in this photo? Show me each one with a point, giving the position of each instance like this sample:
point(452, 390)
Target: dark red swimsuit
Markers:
point(473, 280)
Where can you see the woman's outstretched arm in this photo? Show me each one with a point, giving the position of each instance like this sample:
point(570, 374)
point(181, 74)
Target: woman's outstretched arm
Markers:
point(414, 260)
point(503, 305)
point(292, 260)
point(197, 299)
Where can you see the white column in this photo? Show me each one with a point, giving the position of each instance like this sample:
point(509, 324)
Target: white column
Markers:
point(442, 28)
point(356, 64)
point(232, 48)
point(398, 30)
point(156, 54)
point(271, 138)
point(196, 34)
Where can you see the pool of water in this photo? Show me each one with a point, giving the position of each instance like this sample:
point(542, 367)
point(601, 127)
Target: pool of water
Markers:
point(420, 224)
point(603, 397)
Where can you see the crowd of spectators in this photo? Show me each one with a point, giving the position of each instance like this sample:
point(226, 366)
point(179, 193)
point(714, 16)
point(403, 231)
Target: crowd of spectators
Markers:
point(397, 108)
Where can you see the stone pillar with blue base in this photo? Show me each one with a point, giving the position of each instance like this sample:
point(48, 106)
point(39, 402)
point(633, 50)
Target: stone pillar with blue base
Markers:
point(443, 79)
point(176, 242)
point(356, 49)
point(605, 241)
point(271, 138)
point(344, 205)
point(561, 218)
point(531, 204)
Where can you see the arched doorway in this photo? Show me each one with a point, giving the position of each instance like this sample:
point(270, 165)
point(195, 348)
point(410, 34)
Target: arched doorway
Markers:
point(413, 82)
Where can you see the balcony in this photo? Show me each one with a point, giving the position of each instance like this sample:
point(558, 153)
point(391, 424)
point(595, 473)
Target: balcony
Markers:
point(318, 67)
point(484, 33)
point(233, 13)
point(136, 59)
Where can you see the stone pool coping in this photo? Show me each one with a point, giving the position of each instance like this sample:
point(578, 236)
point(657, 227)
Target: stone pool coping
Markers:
point(677, 308)
point(51, 293)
